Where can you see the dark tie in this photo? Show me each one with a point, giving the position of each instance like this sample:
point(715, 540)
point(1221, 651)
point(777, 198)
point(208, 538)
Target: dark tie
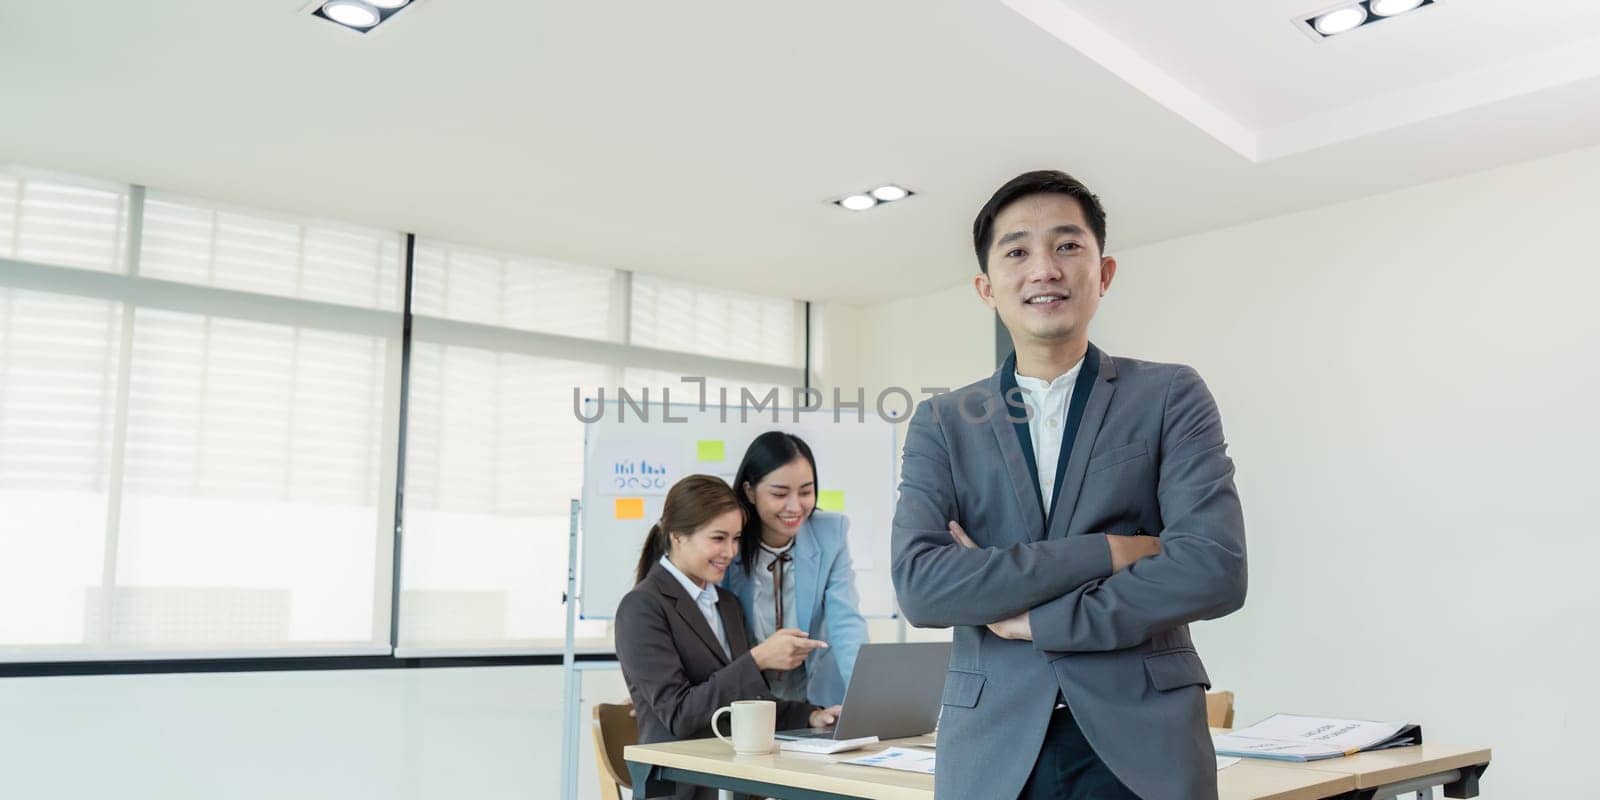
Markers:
point(776, 568)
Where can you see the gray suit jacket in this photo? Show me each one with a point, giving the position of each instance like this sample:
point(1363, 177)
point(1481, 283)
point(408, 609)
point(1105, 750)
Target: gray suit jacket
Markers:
point(675, 670)
point(1149, 455)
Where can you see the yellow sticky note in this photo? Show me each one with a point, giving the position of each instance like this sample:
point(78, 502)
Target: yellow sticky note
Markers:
point(630, 508)
point(711, 450)
point(830, 500)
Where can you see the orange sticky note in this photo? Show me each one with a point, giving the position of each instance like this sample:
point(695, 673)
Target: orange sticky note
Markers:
point(630, 508)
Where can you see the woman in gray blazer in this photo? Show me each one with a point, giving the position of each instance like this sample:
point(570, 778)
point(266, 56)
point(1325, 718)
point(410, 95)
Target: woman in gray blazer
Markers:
point(681, 638)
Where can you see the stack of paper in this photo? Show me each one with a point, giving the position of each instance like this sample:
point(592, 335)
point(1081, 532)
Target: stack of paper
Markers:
point(1287, 737)
point(827, 746)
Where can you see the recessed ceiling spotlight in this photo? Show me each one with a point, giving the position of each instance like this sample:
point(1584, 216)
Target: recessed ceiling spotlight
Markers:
point(1389, 8)
point(352, 13)
point(1340, 20)
point(884, 194)
point(361, 16)
point(1349, 16)
point(859, 202)
point(890, 193)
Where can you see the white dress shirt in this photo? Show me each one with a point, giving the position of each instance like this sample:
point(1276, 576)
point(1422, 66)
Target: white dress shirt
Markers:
point(706, 599)
point(1047, 403)
point(785, 684)
point(1047, 414)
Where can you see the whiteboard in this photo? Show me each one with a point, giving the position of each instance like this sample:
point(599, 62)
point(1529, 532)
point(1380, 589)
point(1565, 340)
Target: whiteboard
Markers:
point(631, 458)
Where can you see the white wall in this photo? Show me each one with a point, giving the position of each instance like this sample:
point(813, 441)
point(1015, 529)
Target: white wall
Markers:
point(940, 338)
point(943, 338)
point(419, 734)
point(836, 356)
point(1409, 385)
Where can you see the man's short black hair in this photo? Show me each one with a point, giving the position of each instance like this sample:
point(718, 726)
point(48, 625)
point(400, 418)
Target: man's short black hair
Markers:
point(1043, 181)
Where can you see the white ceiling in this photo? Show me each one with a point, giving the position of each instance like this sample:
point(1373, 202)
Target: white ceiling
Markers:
point(703, 140)
point(1233, 69)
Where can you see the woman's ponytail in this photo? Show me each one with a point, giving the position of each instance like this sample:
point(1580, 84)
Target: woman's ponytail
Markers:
point(655, 546)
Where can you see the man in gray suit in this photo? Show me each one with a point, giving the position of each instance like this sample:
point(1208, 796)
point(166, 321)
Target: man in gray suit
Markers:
point(1069, 516)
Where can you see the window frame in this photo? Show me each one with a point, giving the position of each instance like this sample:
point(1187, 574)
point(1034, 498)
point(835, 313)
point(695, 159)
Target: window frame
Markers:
point(134, 291)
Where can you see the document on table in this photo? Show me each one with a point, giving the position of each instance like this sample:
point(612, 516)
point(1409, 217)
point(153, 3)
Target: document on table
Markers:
point(904, 759)
point(1288, 737)
point(1223, 762)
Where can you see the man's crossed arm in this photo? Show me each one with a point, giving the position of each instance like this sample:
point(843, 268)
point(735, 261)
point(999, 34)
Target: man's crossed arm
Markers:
point(1088, 592)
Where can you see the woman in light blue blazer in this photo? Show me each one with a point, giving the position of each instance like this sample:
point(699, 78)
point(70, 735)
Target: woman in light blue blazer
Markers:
point(793, 570)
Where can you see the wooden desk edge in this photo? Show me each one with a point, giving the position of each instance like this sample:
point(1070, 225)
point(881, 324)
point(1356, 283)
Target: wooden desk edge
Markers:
point(1382, 776)
point(873, 783)
point(1372, 776)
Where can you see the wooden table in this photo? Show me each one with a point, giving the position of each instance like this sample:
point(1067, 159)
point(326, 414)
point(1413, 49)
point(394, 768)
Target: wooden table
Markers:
point(1386, 773)
point(796, 776)
point(790, 776)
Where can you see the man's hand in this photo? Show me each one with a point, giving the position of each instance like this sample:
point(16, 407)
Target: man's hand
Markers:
point(823, 717)
point(785, 649)
point(1127, 549)
point(1013, 628)
point(1016, 627)
point(961, 536)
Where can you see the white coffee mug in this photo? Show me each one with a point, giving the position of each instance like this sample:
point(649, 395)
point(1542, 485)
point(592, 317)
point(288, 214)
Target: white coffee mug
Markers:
point(754, 722)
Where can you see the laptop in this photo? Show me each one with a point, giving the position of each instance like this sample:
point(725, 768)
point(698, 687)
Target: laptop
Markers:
point(894, 692)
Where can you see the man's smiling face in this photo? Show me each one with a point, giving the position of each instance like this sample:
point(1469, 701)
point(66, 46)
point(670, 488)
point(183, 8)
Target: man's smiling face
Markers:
point(1046, 274)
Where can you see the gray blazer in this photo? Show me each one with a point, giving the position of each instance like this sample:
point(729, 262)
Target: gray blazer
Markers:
point(675, 670)
point(1149, 455)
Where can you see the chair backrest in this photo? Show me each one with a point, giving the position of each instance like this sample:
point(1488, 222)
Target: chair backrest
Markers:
point(1219, 709)
point(613, 730)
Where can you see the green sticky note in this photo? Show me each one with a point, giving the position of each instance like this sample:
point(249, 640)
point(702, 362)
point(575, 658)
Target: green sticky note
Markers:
point(711, 450)
point(830, 500)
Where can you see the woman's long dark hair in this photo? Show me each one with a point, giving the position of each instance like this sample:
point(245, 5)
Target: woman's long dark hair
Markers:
point(768, 452)
point(691, 503)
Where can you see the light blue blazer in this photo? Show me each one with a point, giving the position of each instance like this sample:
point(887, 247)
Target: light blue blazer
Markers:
point(825, 601)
